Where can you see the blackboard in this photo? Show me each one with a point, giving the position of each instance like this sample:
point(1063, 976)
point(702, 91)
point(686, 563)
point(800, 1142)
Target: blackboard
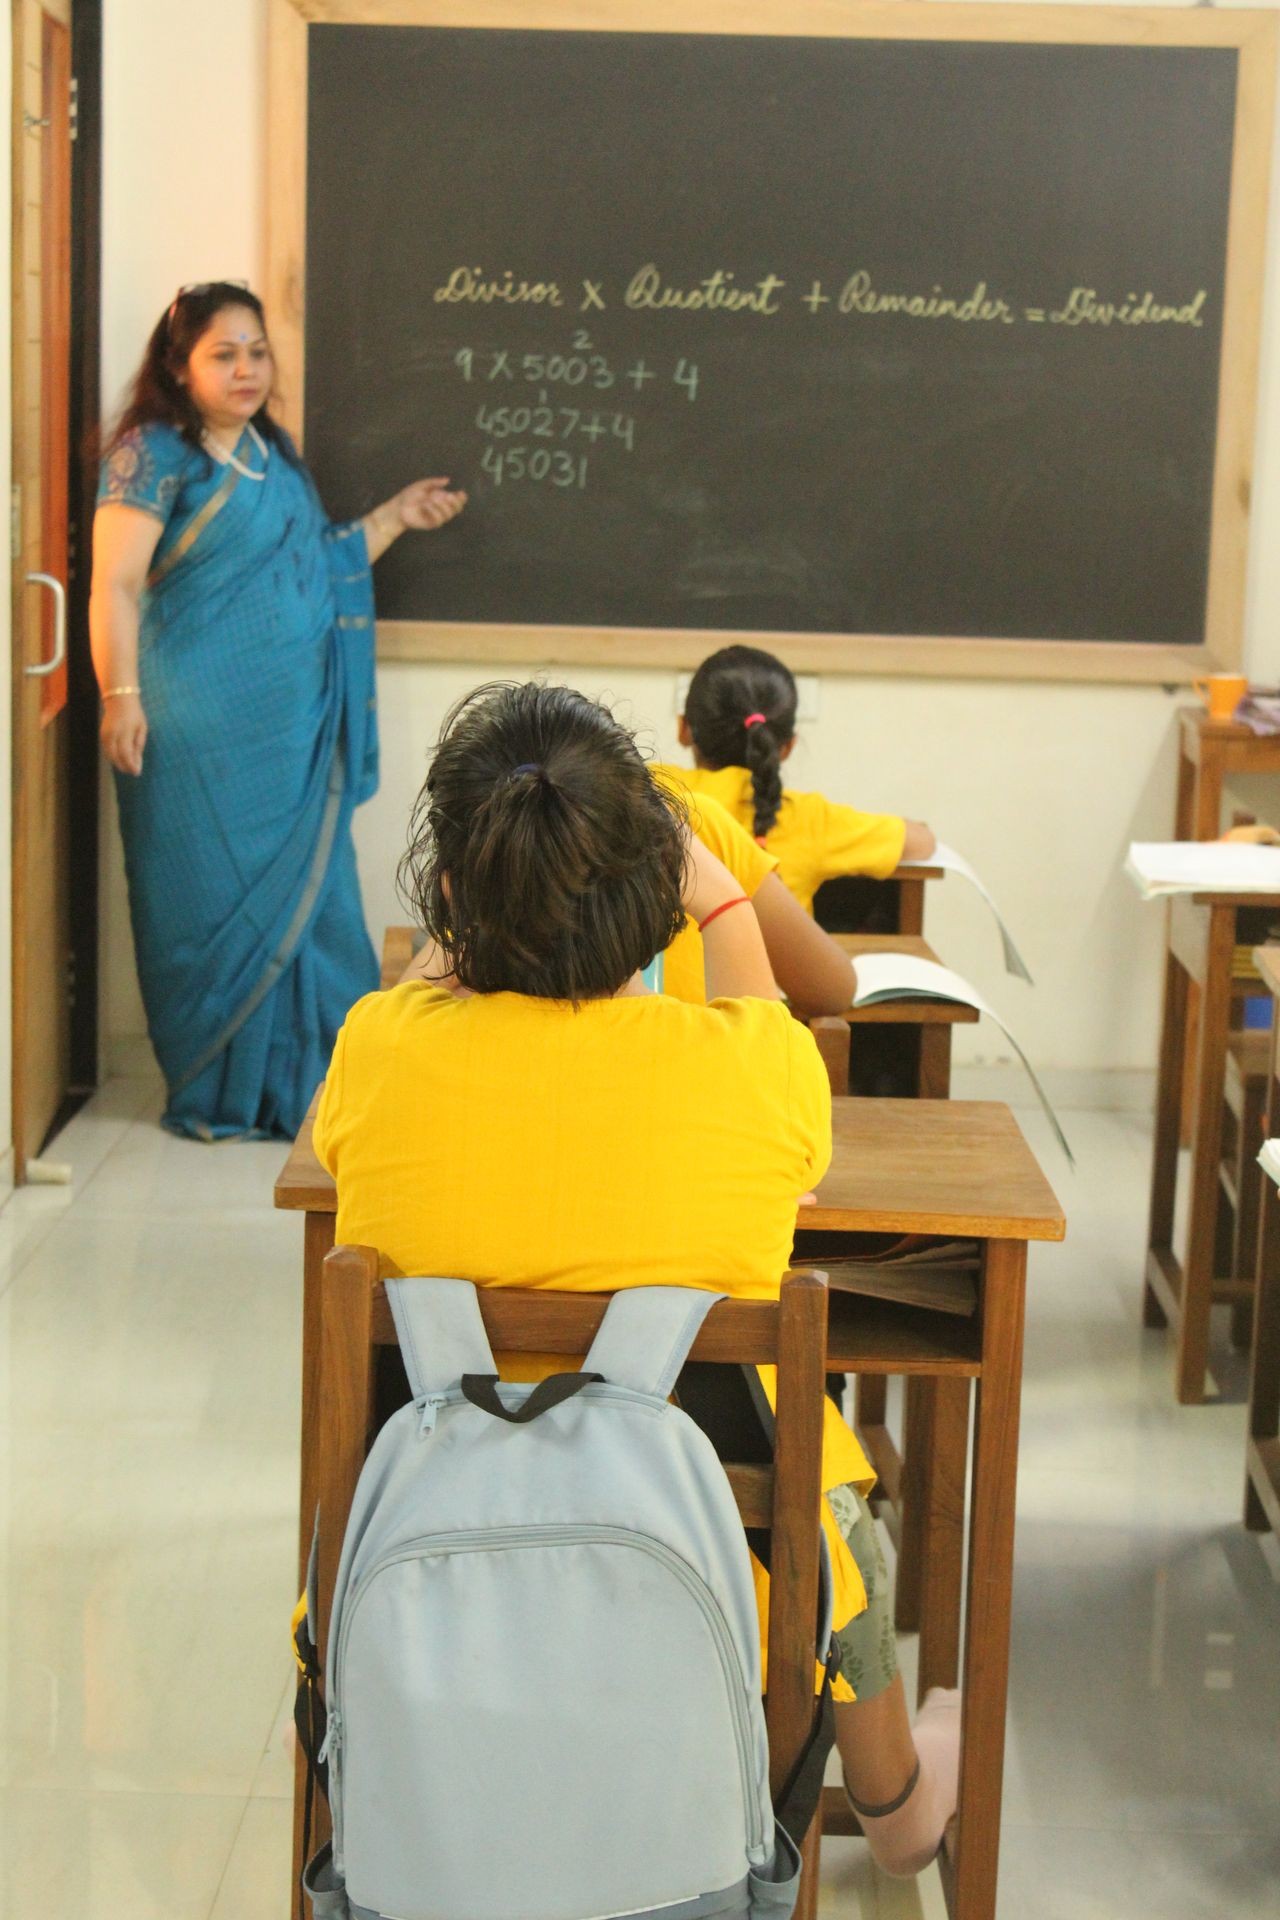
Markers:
point(775, 334)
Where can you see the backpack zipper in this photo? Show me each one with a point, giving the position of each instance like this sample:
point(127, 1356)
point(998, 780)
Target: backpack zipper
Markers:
point(431, 1546)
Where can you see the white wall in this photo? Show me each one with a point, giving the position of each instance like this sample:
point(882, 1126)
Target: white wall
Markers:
point(1042, 786)
point(183, 192)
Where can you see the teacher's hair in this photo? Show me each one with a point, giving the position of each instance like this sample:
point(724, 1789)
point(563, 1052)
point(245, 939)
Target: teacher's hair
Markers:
point(543, 857)
point(731, 688)
point(158, 394)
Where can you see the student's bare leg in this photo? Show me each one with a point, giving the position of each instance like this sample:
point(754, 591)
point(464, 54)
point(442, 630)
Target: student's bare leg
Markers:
point(902, 1780)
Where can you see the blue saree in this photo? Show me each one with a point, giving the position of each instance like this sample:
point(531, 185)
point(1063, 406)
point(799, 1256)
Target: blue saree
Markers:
point(256, 662)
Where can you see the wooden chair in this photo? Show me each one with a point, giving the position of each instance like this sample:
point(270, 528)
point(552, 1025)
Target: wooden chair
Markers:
point(790, 1333)
point(1239, 1175)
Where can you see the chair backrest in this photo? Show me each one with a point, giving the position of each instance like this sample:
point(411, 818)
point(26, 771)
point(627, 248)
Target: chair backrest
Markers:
point(783, 1498)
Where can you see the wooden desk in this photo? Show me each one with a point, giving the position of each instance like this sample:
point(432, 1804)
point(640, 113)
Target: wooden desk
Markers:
point(924, 1025)
point(855, 903)
point(1202, 932)
point(1209, 750)
point(1262, 1444)
point(953, 1169)
point(920, 1062)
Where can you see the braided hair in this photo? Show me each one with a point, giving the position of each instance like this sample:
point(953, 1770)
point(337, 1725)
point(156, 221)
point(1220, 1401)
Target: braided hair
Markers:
point(741, 711)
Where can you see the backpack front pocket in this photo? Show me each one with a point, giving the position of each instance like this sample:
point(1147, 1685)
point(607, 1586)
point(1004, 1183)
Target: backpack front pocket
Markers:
point(547, 1722)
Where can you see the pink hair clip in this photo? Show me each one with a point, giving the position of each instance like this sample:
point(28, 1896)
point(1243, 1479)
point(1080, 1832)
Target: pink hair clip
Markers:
point(755, 720)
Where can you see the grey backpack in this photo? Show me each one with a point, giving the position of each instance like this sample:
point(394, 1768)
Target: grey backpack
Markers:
point(543, 1670)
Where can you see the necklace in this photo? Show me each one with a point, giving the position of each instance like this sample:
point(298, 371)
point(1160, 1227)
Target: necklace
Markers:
point(225, 459)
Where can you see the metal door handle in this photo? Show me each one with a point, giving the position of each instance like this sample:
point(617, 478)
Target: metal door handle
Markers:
point(59, 593)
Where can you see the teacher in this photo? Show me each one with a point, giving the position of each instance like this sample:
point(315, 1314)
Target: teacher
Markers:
point(232, 628)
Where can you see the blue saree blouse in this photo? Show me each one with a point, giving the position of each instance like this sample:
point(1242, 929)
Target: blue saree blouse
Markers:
point(256, 663)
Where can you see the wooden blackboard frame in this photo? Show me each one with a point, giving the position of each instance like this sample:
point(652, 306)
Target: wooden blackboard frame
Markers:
point(1252, 33)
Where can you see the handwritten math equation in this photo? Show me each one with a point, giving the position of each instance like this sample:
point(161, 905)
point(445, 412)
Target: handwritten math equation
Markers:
point(856, 296)
point(549, 435)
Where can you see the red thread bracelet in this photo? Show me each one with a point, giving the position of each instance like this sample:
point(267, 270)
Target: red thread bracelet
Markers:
point(741, 901)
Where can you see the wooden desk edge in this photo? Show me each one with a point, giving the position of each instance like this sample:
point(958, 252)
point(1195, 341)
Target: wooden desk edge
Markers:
point(912, 1013)
point(942, 1225)
point(1231, 899)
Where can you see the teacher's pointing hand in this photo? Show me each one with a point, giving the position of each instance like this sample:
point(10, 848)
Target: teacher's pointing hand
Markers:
point(421, 508)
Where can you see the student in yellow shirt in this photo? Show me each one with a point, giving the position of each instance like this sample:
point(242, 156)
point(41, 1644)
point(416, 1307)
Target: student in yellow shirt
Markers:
point(812, 971)
point(740, 722)
point(537, 1117)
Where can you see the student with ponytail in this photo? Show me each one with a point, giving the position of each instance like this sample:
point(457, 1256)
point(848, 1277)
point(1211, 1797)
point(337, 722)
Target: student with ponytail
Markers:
point(740, 722)
point(527, 1113)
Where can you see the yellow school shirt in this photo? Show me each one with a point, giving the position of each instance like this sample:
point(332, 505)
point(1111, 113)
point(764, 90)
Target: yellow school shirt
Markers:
point(633, 1142)
point(683, 967)
point(813, 839)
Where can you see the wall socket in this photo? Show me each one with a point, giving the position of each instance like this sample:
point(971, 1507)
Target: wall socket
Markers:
point(808, 689)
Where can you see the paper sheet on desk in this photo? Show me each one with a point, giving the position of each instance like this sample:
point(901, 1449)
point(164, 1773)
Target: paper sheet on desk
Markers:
point(952, 862)
point(1202, 866)
point(901, 976)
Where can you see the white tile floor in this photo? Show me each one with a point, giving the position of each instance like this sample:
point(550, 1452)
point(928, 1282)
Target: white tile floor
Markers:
point(149, 1337)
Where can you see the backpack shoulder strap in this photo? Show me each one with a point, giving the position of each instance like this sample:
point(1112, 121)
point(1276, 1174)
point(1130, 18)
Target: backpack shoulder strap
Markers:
point(645, 1337)
point(441, 1333)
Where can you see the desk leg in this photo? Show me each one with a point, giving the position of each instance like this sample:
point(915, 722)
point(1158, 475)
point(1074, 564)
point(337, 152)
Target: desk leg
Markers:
point(915, 1502)
point(934, 1081)
point(941, 1583)
point(870, 1405)
point(911, 906)
point(1206, 1152)
point(317, 1240)
point(1199, 817)
point(976, 1846)
point(1164, 1163)
point(930, 1574)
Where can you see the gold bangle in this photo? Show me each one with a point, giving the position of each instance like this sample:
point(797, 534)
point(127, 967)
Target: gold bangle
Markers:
point(114, 693)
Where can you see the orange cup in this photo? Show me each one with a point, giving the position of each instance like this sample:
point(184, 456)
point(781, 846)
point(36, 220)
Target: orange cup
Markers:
point(1222, 693)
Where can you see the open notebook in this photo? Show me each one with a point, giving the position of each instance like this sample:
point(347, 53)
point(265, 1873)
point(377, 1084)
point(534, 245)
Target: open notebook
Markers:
point(1158, 867)
point(953, 862)
point(881, 977)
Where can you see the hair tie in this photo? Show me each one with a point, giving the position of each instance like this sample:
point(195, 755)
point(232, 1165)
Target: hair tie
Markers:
point(755, 720)
point(529, 766)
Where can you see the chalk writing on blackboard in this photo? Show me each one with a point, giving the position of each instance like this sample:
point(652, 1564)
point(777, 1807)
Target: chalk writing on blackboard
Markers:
point(551, 419)
point(857, 296)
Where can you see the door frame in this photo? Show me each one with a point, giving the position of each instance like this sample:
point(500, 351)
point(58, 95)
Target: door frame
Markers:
point(80, 775)
point(83, 767)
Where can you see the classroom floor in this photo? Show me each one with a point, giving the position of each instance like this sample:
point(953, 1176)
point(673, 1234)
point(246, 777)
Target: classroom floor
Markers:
point(149, 1331)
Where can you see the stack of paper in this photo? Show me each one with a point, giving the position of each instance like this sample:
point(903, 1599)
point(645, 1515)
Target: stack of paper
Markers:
point(1202, 866)
point(940, 1276)
point(1269, 1160)
point(901, 976)
point(952, 862)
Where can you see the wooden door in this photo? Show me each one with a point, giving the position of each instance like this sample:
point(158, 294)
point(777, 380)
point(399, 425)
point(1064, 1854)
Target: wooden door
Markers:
point(42, 134)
